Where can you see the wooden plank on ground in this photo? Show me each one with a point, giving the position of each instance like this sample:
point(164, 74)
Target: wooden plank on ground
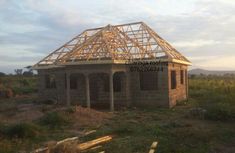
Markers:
point(66, 140)
point(153, 147)
point(151, 150)
point(89, 132)
point(89, 144)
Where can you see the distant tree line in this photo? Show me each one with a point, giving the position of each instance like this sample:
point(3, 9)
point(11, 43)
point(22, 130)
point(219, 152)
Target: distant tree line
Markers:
point(226, 75)
point(20, 72)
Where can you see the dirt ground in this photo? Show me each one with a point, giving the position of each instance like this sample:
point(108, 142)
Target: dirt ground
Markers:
point(134, 129)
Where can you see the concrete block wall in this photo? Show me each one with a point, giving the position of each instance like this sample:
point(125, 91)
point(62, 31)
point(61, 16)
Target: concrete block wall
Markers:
point(55, 94)
point(130, 93)
point(156, 98)
point(180, 92)
point(103, 96)
point(78, 95)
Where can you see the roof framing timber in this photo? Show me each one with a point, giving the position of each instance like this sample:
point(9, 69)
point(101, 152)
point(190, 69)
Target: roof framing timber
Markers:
point(113, 43)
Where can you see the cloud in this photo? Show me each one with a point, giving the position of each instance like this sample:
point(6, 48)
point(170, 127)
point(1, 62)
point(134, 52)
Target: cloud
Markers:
point(197, 28)
point(221, 62)
point(195, 43)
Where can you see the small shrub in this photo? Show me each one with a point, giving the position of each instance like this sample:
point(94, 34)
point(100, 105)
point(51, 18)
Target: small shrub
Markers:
point(44, 108)
point(196, 112)
point(67, 147)
point(54, 120)
point(173, 124)
point(124, 129)
point(71, 110)
point(24, 82)
point(9, 93)
point(20, 130)
point(181, 103)
point(220, 112)
point(24, 90)
point(47, 102)
point(2, 94)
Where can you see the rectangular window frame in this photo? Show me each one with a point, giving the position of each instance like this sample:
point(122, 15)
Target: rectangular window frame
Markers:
point(73, 82)
point(50, 81)
point(182, 79)
point(117, 83)
point(173, 80)
point(146, 82)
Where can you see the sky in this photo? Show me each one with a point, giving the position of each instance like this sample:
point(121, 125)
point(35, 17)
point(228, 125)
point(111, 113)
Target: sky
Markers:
point(202, 30)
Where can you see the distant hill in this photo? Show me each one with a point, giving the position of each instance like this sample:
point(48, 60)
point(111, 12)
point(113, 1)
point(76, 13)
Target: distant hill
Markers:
point(209, 72)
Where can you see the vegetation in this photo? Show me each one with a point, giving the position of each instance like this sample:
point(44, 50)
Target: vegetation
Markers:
point(17, 85)
point(20, 130)
point(54, 120)
point(176, 130)
point(216, 95)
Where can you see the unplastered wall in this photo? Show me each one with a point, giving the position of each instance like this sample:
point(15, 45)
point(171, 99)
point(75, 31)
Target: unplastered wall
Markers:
point(56, 94)
point(179, 93)
point(155, 98)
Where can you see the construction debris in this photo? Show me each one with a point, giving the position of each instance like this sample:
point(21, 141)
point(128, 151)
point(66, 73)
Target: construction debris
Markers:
point(66, 140)
point(89, 132)
point(92, 143)
point(71, 144)
point(153, 147)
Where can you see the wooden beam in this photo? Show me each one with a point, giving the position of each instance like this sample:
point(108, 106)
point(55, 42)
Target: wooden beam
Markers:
point(89, 144)
point(153, 147)
point(119, 42)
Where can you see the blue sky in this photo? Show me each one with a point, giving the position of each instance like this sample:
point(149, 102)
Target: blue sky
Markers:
point(202, 30)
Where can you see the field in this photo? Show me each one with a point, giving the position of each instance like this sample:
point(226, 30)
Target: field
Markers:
point(203, 124)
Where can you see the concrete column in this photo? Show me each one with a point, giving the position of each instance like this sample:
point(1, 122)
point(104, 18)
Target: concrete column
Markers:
point(128, 94)
point(88, 102)
point(68, 88)
point(111, 96)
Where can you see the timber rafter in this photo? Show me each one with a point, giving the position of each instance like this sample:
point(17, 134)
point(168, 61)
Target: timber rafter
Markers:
point(119, 42)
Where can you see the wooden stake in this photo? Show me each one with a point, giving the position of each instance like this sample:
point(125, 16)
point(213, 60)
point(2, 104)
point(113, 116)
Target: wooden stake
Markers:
point(153, 147)
point(151, 150)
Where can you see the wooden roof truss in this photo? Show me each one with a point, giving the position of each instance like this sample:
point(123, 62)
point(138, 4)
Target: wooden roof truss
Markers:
point(119, 42)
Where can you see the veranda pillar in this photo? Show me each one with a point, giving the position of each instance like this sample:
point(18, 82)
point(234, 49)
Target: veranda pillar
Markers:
point(88, 102)
point(68, 88)
point(111, 96)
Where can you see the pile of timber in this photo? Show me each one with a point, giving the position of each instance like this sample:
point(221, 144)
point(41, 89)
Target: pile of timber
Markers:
point(75, 147)
point(93, 144)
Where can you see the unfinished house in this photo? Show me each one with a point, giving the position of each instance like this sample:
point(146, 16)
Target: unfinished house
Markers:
point(115, 65)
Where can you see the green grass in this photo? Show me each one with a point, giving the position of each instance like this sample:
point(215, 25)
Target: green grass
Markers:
point(19, 84)
point(20, 130)
point(54, 120)
point(216, 95)
point(135, 129)
point(29, 136)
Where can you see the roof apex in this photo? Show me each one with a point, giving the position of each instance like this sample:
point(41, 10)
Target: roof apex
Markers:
point(115, 42)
